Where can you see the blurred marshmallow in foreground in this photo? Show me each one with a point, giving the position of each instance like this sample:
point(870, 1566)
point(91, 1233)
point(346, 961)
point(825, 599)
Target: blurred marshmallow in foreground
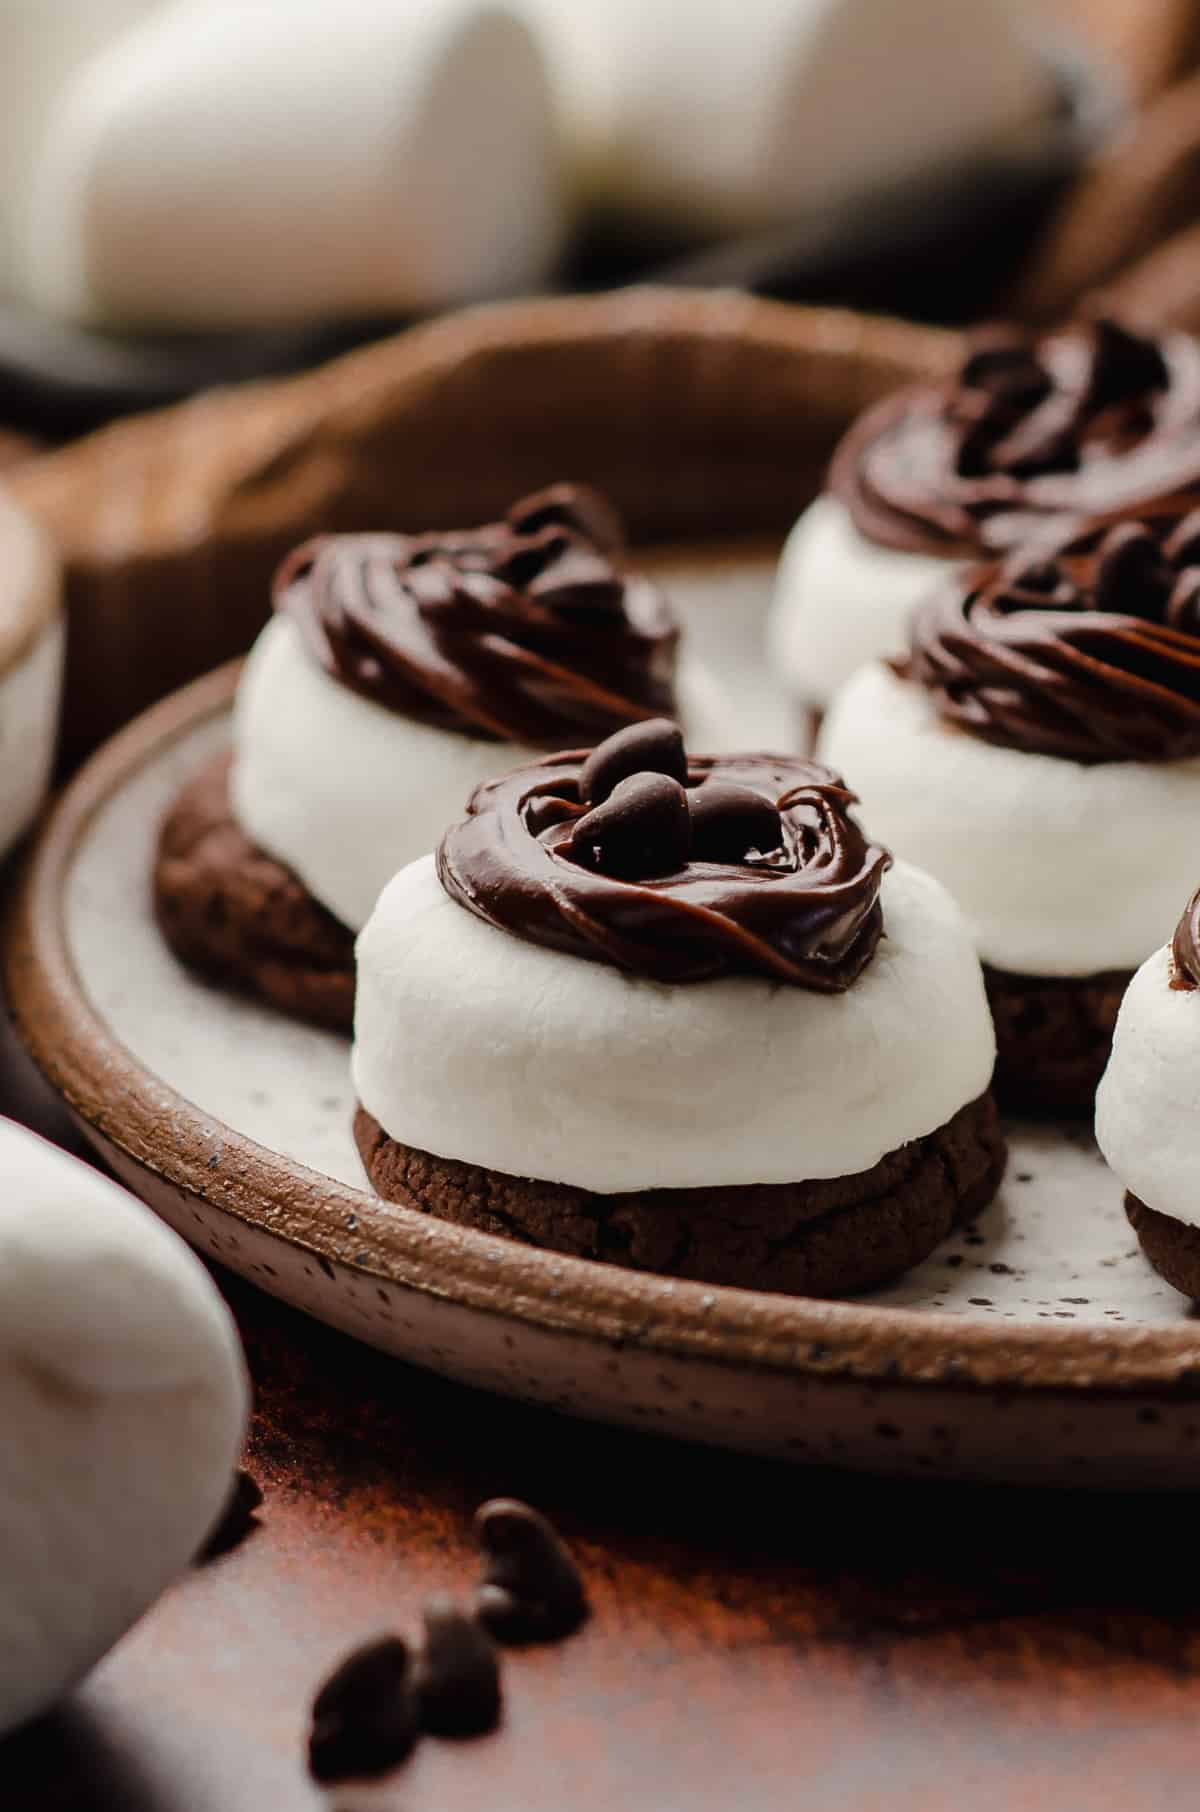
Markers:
point(31, 658)
point(744, 114)
point(43, 45)
point(123, 1398)
point(237, 163)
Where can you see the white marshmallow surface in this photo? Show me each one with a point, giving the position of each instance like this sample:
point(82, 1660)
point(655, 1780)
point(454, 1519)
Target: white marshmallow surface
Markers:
point(344, 792)
point(29, 695)
point(742, 114)
point(31, 659)
point(1061, 868)
point(123, 1399)
point(249, 162)
point(473, 1044)
point(43, 46)
point(1148, 1102)
point(840, 601)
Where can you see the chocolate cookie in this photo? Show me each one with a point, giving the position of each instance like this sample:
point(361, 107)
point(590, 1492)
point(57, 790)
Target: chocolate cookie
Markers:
point(827, 1238)
point(242, 919)
point(1053, 1035)
point(1173, 1247)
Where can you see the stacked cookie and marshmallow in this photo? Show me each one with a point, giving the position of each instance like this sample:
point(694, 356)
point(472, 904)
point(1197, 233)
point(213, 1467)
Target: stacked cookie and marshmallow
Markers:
point(680, 1014)
point(1028, 441)
point(1038, 749)
point(398, 672)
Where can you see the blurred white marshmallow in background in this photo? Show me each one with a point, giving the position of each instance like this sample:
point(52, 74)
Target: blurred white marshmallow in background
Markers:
point(43, 44)
point(123, 1400)
point(231, 164)
point(742, 114)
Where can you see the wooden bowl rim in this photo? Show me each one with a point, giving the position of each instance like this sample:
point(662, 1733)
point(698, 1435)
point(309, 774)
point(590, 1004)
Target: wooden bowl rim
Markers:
point(159, 1129)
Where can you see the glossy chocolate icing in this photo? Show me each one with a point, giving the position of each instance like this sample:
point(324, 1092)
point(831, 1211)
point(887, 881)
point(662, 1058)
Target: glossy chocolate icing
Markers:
point(528, 630)
point(806, 913)
point(1033, 436)
point(1090, 652)
point(1185, 947)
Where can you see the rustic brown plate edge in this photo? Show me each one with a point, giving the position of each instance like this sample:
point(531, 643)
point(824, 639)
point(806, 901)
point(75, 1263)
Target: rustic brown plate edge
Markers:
point(107, 1089)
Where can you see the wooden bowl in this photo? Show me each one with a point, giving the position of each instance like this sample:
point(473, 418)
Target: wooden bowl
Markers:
point(704, 415)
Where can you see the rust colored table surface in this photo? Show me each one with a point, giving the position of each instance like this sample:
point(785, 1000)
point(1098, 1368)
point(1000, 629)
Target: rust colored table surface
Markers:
point(762, 1638)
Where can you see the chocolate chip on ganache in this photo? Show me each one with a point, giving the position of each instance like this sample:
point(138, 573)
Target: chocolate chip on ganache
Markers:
point(365, 1717)
point(652, 747)
point(457, 1673)
point(531, 1589)
point(544, 812)
point(576, 507)
point(731, 822)
point(1182, 545)
point(1183, 605)
point(1124, 363)
point(643, 829)
point(1132, 578)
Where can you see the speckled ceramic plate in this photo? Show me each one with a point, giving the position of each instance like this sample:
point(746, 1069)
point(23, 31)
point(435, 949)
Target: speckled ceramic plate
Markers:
point(1036, 1345)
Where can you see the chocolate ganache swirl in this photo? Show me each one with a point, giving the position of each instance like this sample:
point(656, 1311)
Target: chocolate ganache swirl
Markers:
point(528, 630)
point(1185, 947)
point(1090, 652)
point(753, 867)
point(1031, 436)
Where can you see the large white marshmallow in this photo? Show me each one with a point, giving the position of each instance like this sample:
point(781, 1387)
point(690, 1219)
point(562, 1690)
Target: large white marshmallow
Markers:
point(1061, 868)
point(244, 162)
point(841, 601)
point(743, 114)
point(43, 46)
point(31, 658)
point(1148, 1102)
point(123, 1398)
point(473, 1044)
point(344, 792)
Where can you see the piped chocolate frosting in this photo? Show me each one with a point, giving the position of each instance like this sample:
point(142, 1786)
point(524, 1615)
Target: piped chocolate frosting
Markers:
point(1185, 947)
point(1091, 653)
point(528, 630)
point(1032, 436)
point(751, 865)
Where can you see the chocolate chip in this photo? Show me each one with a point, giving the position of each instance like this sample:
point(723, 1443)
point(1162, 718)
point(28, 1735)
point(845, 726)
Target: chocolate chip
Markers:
point(237, 1519)
point(365, 1716)
point(1002, 361)
point(1041, 576)
point(545, 811)
point(1183, 606)
point(642, 829)
point(1132, 577)
point(531, 1589)
point(571, 506)
point(653, 747)
point(1182, 546)
point(729, 821)
point(1124, 363)
point(457, 1673)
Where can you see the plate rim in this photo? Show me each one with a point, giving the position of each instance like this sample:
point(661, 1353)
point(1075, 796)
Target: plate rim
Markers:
point(108, 1089)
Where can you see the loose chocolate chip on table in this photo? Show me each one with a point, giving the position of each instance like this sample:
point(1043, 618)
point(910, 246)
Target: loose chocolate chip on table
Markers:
point(236, 1521)
point(730, 821)
point(642, 829)
point(365, 1716)
point(531, 1589)
point(456, 1676)
point(653, 747)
